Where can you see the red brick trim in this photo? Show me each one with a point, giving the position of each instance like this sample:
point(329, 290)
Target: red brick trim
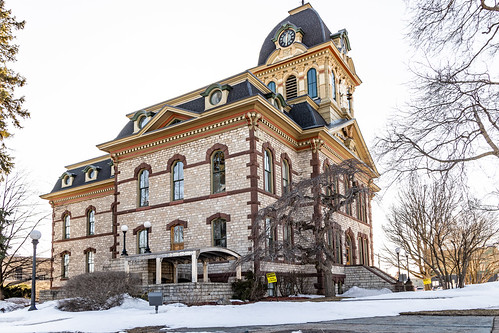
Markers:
point(215, 147)
point(89, 208)
point(224, 216)
point(140, 228)
point(84, 237)
point(175, 223)
point(64, 252)
point(89, 249)
point(176, 157)
point(66, 212)
point(142, 166)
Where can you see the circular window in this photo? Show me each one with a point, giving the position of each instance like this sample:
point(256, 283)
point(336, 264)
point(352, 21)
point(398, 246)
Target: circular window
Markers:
point(216, 97)
point(143, 121)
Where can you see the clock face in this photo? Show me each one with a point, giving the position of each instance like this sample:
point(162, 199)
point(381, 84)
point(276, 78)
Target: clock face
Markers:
point(287, 38)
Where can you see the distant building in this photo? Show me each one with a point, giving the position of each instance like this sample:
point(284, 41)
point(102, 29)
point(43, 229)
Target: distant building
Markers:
point(197, 167)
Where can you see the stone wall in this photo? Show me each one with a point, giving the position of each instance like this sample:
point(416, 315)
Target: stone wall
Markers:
point(368, 278)
point(192, 293)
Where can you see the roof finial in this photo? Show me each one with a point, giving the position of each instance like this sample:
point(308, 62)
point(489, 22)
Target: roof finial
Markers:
point(302, 2)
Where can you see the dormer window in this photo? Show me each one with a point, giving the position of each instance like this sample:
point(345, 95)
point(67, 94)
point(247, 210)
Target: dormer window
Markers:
point(216, 95)
point(141, 119)
point(272, 86)
point(67, 179)
point(90, 172)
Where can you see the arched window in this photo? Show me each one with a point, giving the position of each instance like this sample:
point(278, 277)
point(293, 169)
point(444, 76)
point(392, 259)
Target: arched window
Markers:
point(91, 222)
point(291, 87)
point(65, 266)
point(312, 82)
point(219, 232)
point(288, 235)
point(348, 206)
point(333, 86)
point(285, 176)
point(270, 236)
point(178, 181)
point(348, 250)
point(272, 86)
point(142, 241)
point(144, 188)
point(177, 237)
point(268, 167)
point(338, 255)
point(67, 226)
point(90, 261)
point(218, 172)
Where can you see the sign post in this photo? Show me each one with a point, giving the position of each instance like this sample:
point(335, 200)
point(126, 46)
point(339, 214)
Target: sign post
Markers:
point(272, 278)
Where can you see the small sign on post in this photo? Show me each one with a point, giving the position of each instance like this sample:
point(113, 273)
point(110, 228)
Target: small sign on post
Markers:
point(271, 277)
point(426, 281)
point(155, 299)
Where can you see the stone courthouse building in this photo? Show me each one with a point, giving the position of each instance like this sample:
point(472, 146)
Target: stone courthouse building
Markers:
point(186, 176)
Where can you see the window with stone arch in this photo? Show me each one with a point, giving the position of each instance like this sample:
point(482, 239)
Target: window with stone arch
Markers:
point(268, 165)
point(333, 85)
point(178, 180)
point(285, 176)
point(312, 83)
point(66, 226)
point(142, 241)
point(218, 172)
point(272, 86)
point(89, 260)
point(144, 188)
point(91, 221)
point(219, 230)
point(65, 264)
point(177, 229)
point(291, 87)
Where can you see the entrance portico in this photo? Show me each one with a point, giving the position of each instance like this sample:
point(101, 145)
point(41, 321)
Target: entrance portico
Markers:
point(192, 256)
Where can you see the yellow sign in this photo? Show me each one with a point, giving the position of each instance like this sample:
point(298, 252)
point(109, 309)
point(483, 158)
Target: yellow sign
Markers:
point(426, 281)
point(271, 278)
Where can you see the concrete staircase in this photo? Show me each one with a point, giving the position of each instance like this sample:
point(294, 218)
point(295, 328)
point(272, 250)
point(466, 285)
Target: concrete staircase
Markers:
point(368, 277)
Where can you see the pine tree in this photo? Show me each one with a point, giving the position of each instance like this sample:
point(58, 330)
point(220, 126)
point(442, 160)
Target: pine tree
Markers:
point(11, 110)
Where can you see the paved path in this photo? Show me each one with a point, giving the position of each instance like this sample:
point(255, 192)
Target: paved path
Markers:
point(415, 324)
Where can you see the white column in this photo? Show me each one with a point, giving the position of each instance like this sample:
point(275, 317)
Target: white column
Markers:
point(175, 273)
point(158, 270)
point(238, 272)
point(205, 271)
point(194, 259)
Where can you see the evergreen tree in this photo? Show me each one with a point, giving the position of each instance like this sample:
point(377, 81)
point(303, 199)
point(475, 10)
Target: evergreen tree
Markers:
point(11, 110)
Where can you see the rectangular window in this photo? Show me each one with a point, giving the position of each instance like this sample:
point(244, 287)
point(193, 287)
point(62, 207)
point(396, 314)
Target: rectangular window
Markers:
point(18, 275)
point(65, 266)
point(285, 177)
point(219, 233)
point(67, 226)
point(270, 236)
point(178, 181)
point(90, 262)
point(142, 241)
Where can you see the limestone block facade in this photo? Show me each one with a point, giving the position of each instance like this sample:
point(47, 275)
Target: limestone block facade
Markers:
point(176, 192)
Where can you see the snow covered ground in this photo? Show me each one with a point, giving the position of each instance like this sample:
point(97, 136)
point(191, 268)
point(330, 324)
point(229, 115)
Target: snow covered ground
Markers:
point(135, 312)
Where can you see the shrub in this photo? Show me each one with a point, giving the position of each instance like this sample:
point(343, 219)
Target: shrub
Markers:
point(20, 290)
point(249, 289)
point(98, 291)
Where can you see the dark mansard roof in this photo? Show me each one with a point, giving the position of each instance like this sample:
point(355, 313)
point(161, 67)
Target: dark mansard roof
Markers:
point(315, 32)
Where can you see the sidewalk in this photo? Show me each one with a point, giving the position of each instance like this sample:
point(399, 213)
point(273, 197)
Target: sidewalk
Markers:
point(416, 324)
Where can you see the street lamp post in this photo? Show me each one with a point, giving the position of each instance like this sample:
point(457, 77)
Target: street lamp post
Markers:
point(399, 286)
point(407, 257)
point(408, 284)
point(124, 228)
point(147, 225)
point(397, 250)
point(35, 236)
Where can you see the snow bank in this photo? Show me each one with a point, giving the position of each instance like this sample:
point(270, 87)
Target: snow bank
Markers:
point(361, 292)
point(137, 312)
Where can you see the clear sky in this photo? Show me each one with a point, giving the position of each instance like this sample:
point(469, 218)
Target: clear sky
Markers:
point(89, 63)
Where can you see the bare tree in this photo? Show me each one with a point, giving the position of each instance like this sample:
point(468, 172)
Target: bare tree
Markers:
point(307, 217)
point(474, 230)
point(483, 266)
point(452, 118)
point(439, 229)
point(18, 217)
